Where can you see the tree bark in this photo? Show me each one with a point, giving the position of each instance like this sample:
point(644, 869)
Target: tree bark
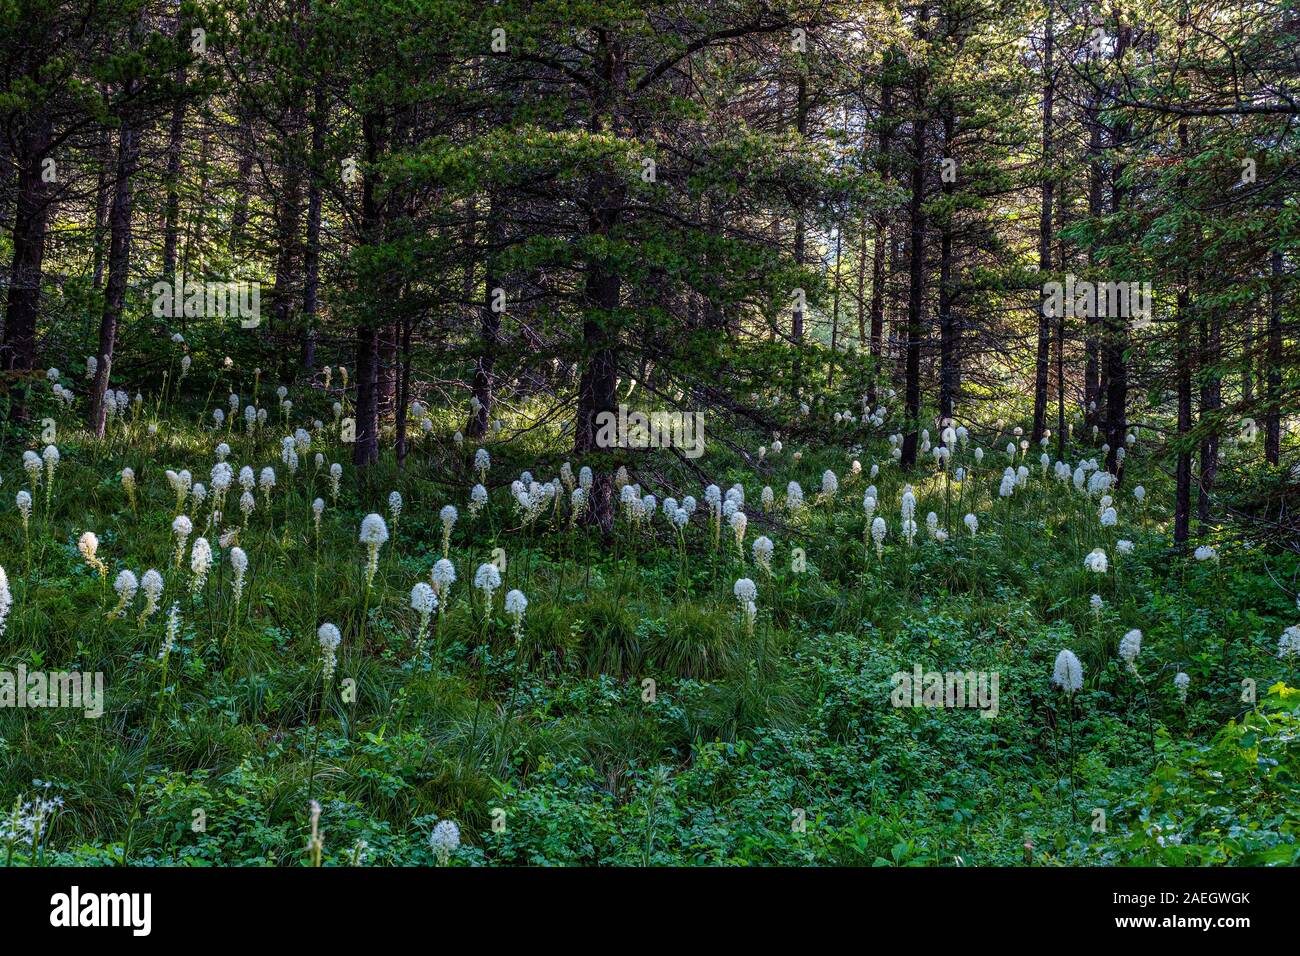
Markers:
point(1045, 234)
point(916, 263)
point(31, 216)
point(119, 264)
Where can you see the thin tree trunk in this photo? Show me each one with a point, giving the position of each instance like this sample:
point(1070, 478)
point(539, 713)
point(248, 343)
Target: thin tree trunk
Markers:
point(31, 215)
point(119, 265)
point(1273, 376)
point(311, 254)
point(881, 245)
point(916, 263)
point(1045, 233)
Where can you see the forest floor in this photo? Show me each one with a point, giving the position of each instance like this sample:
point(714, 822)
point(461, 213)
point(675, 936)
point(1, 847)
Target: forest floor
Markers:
point(633, 713)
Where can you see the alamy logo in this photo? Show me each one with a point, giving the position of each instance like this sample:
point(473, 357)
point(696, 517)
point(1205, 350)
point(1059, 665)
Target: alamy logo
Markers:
point(209, 300)
point(684, 430)
point(74, 909)
point(38, 689)
point(1094, 300)
point(977, 690)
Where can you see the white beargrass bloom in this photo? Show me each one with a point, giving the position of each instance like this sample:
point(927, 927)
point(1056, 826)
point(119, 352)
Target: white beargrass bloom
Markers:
point(907, 505)
point(88, 545)
point(247, 480)
point(763, 549)
point(1096, 561)
point(128, 485)
point(181, 527)
point(1182, 681)
point(395, 507)
point(1068, 672)
point(972, 523)
point(487, 579)
point(374, 532)
point(1130, 645)
point(173, 630)
point(266, 481)
point(238, 561)
point(445, 839)
point(1095, 602)
point(246, 505)
point(932, 523)
point(1206, 553)
point(738, 525)
point(830, 484)
point(1288, 645)
point(151, 583)
point(423, 601)
point(329, 638)
point(1123, 547)
point(515, 605)
point(478, 497)
point(24, 502)
point(443, 576)
point(200, 563)
point(878, 531)
point(1139, 493)
point(909, 531)
point(126, 586)
point(869, 504)
point(447, 516)
point(767, 497)
point(1109, 518)
point(32, 465)
point(793, 496)
point(336, 475)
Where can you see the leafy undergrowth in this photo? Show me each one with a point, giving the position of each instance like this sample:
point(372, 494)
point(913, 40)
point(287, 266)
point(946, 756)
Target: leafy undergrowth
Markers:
point(636, 719)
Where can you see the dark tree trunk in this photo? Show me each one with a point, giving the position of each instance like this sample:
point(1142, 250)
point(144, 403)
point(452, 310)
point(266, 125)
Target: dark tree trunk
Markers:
point(1211, 393)
point(31, 215)
point(1183, 469)
point(881, 245)
point(103, 194)
point(800, 242)
point(596, 387)
point(948, 354)
point(1273, 375)
point(243, 173)
point(172, 209)
point(403, 392)
point(916, 262)
point(288, 243)
point(489, 326)
point(311, 255)
point(1092, 376)
point(119, 265)
point(1045, 235)
point(365, 451)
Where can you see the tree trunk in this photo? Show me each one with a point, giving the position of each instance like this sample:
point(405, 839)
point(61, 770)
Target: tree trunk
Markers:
point(365, 451)
point(1273, 376)
point(1183, 469)
point(916, 262)
point(311, 255)
point(1211, 393)
point(881, 245)
point(489, 325)
point(119, 264)
point(1045, 235)
point(948, 354)
point(31, 215)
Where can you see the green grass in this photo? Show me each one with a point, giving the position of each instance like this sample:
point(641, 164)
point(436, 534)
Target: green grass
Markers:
point(637, 721)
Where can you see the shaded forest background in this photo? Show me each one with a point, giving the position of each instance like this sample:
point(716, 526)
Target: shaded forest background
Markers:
point(773, 212)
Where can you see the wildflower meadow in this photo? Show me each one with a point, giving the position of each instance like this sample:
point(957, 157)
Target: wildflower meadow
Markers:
point(446, 434)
